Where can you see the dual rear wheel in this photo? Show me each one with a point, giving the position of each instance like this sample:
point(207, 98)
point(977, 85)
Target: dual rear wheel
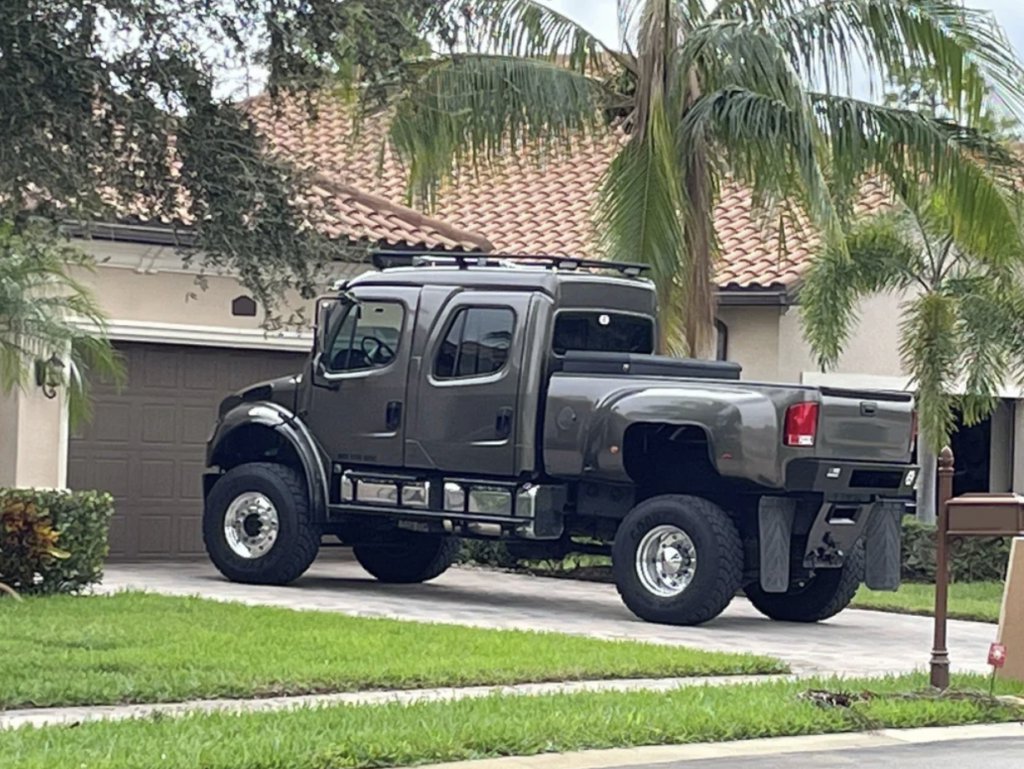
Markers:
point(678, 560)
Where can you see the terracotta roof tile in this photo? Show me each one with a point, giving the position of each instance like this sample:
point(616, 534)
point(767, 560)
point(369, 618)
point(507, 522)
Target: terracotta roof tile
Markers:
point(518, 207)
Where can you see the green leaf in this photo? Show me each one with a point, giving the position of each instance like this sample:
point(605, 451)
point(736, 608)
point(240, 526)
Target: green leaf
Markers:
point(931, 354)
point(46, 313)
point(639, 214)
point(473, 111)
point(879, 256)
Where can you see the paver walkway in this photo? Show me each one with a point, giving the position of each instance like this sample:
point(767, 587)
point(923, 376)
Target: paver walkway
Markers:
point(853, 643)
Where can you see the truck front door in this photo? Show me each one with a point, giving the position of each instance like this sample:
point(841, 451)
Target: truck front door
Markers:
point(466, 418)
point(357, 404)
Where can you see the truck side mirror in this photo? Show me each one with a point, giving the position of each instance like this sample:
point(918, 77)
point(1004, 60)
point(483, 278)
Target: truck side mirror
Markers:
point(326, 307)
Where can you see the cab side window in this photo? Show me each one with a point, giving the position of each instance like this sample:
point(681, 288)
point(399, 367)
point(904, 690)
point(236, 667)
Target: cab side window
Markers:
point(367, 338)
point(477, 343)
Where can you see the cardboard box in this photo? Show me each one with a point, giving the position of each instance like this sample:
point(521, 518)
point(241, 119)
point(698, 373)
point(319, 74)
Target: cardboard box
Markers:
point(1011, 617)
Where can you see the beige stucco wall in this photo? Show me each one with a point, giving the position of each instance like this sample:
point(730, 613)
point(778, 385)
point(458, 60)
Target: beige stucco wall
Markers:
point(768, 341)
point(872, 348)
point(753, 340)
point(141, 283)
point(33, 431)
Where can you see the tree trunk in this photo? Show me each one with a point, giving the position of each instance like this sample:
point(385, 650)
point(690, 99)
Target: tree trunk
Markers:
point(699, 237)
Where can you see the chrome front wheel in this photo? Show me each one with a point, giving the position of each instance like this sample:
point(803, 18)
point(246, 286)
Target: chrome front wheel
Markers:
point(251, 525)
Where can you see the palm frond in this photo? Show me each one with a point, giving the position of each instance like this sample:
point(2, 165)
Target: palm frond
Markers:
point(964, 48)
point(774, 148)
point(878, 257)
point(931, 356)
point(984, 324)
point(528, 29)
point(41, 307)
point(920, 155)
point(639, 214)
point(470, 111)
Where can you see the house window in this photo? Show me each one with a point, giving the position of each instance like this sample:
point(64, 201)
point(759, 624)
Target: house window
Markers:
point(367, 338)
point(243, 307)
point(721, 340)
point(477, 343)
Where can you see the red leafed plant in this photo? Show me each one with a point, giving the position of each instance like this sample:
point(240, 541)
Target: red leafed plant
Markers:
point(28, 542)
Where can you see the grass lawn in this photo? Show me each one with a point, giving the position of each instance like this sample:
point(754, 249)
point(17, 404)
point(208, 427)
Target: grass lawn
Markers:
point(978, 601)
point(402, 735)
point(140, 647)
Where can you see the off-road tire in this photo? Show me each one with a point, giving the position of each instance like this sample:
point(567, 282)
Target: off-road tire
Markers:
point(826, 594)
point(298, 540)
point(719, 553)
point(408, 558)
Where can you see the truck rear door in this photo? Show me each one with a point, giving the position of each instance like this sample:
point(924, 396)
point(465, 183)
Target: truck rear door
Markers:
point(467, 415)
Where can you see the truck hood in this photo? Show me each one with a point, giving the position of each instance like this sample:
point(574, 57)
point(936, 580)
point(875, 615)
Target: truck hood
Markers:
point(281, 391)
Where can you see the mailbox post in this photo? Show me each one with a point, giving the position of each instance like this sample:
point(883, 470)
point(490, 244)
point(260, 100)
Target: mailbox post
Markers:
point(969, 515)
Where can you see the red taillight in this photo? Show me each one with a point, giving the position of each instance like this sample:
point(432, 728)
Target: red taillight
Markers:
point(801, 424)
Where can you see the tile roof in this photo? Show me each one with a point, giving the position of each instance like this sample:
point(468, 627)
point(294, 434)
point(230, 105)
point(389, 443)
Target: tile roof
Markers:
point(344, 211)
point(520, 206)
point(338, 209)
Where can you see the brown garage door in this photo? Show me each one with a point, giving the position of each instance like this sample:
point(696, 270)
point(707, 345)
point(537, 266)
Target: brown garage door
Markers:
point(146, 444)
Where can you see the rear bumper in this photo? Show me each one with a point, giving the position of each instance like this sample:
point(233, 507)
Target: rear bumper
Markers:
point(878, 479)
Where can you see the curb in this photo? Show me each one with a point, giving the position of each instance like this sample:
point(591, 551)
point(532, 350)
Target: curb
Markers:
point(622, 758)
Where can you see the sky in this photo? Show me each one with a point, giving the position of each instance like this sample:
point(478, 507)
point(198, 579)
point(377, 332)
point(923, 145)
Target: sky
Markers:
point(600, 18)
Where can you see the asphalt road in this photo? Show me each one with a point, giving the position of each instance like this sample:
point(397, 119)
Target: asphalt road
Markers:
point(1005, 753)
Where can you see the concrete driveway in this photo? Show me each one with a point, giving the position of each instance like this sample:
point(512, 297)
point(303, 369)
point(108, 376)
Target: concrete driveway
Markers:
point(853, 643)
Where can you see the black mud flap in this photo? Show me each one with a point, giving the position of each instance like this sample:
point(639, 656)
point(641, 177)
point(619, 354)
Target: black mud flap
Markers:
point(775, 530)
point(882, 539)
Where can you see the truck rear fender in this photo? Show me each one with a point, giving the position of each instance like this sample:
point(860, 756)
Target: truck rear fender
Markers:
point(268, 432)
point(740, 427)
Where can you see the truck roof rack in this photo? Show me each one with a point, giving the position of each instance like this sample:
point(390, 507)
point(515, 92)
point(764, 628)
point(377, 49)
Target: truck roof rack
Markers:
point(384, 260)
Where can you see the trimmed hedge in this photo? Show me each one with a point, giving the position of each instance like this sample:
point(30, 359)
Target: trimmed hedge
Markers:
point(32, 561)
point(974, 559)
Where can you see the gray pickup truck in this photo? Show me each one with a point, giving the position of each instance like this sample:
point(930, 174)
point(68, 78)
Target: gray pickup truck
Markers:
point(520, 399)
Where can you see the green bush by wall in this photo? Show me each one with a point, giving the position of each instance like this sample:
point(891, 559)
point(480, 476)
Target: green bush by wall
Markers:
point(53, 541)
point(974, 559)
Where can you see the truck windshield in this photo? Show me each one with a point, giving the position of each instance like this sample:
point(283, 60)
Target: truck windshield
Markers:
point(596, 331)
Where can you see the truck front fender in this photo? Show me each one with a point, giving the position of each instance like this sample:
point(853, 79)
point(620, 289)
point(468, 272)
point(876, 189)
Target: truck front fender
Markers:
point(234, 437)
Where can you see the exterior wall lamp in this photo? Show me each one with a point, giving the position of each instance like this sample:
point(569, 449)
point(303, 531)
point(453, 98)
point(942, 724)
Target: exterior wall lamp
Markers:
point(50, 376)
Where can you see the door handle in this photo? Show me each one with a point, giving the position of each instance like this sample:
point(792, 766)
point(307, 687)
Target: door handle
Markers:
point(393, 415)
point(503, 422)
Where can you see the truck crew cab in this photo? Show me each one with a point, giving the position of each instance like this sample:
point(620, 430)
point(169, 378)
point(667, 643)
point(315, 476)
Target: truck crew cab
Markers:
point(520, 398)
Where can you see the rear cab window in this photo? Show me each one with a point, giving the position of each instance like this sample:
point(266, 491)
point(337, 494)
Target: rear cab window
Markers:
point(597, 331)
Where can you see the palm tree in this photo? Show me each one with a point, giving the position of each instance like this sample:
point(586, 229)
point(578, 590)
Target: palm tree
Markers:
point(962, 319)
point(48, 318)
point(754, 92)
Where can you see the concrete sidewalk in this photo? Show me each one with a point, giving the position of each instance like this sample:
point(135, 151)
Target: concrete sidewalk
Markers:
point(12, 719)
point(855, 643)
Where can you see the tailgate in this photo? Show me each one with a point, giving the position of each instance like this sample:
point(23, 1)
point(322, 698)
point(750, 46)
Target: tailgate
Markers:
point(870, 426)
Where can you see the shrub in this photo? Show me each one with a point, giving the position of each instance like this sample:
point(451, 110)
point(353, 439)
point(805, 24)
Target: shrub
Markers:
point(973, 559)
point(482, 552)
point(53, 541)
